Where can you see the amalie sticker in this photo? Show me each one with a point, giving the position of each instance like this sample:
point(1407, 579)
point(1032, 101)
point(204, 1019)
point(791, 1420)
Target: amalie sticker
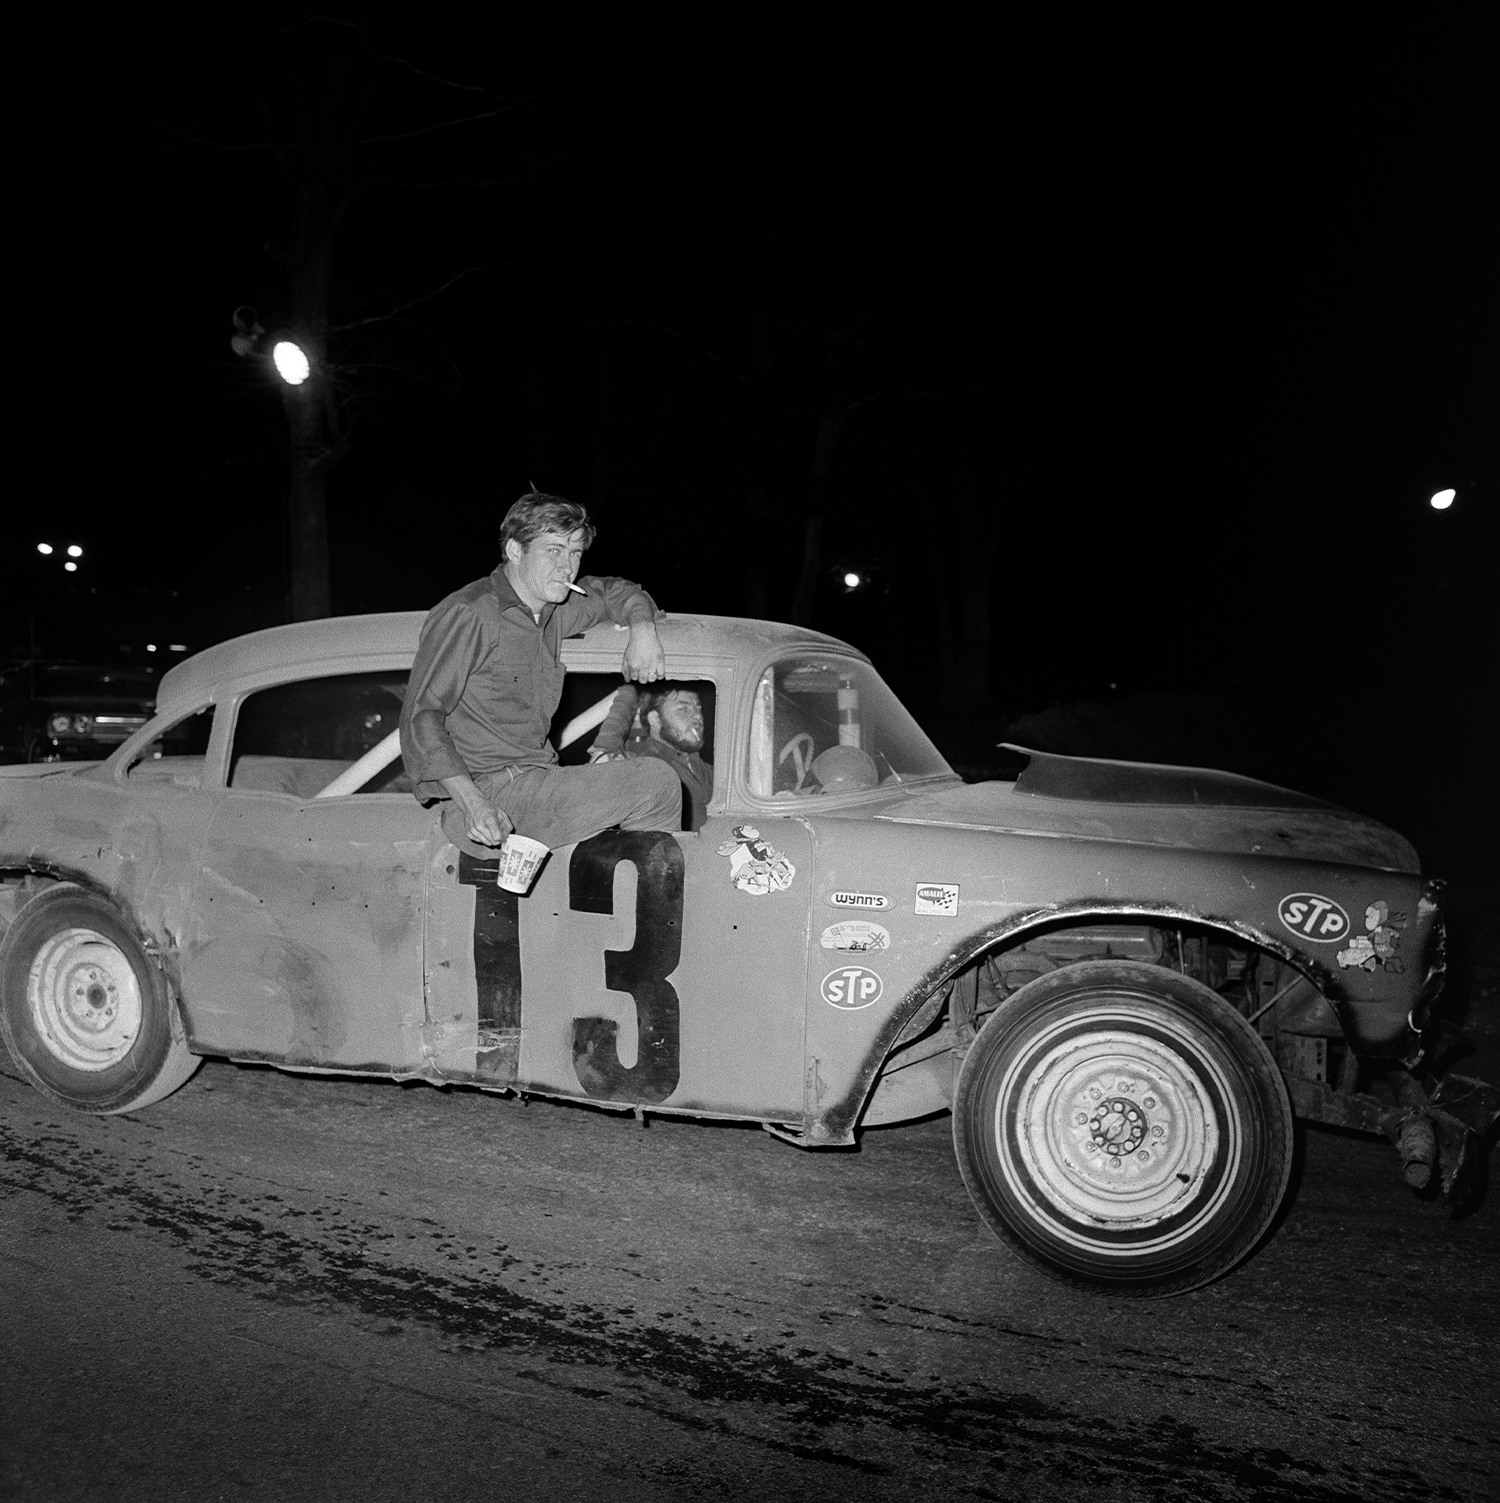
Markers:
point(937, 899)
point(1313, 917)
point(873, 901)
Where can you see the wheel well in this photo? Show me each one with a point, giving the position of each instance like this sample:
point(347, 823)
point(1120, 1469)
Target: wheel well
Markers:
point(18, 886)
point(1291, 1015)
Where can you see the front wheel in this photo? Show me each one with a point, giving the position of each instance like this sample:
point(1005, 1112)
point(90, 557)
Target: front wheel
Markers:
point(84, 1011)
point(1119, 1125)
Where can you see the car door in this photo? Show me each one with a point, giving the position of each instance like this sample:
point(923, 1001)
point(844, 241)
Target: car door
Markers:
point(643, 968)
point(305, 944)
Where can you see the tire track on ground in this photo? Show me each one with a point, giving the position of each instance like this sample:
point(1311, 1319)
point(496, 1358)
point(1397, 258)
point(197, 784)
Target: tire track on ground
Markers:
point(800, 1403)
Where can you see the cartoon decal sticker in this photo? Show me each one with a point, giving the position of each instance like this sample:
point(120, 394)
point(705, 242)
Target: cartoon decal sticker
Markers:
point(938, 899)
point(1314, 918)
point(856, 936)
point(1376, 948)
point(870, 900)
point(851, 988)
point(754, 866)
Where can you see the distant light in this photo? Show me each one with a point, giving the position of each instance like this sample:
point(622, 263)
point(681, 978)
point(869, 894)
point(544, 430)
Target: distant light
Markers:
point(44, 547)
point(150, 646)
point(291, 363)
point(74, 551)
point(71, 567)
point(178, 647)
point(852, 580)
point(1442, 500)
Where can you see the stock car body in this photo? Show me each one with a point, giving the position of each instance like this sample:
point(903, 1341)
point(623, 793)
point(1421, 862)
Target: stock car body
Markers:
point(1122, 979)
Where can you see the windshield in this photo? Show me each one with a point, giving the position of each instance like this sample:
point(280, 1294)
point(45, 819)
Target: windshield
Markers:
point(827, 725)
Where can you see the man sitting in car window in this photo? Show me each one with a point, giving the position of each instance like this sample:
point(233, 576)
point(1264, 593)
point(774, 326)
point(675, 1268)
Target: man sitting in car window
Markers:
point(488, 678)
point(667, 723)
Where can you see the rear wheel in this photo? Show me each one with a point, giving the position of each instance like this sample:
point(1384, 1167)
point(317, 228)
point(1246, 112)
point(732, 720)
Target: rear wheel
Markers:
point(84, 1011)
point(1118, 1124)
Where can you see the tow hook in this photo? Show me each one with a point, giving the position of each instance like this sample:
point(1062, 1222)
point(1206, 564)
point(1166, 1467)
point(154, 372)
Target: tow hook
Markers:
point(1442, 1131)
point(1438, 1133)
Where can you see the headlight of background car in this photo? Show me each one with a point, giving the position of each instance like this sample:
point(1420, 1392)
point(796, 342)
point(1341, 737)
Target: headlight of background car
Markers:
point(58, 725)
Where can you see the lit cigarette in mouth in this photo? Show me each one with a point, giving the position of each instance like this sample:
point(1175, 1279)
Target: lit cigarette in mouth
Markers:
point(577, 589)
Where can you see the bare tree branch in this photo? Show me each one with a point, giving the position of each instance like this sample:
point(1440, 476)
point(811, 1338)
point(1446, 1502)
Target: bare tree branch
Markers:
point(426, 297)
point(428, 130)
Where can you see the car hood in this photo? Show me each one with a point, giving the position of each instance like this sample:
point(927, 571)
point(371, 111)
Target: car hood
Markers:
point(1147, 804)
point(44, 769)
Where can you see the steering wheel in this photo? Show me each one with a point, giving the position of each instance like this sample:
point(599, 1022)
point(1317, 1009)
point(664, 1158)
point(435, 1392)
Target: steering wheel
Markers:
point(800, 749)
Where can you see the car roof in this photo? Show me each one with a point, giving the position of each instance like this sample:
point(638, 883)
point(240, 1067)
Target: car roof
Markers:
point(353, 643)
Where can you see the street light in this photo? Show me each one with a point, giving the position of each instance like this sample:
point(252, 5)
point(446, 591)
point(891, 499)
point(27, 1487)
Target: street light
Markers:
point(852, 580)
point(44, 547)
point(315, 443)
point(291, 363)
point(1443, 499)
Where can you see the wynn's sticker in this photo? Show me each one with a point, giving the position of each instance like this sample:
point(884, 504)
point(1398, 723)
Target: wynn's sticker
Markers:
point(851, 988)
point(857, 936)
point(873, 901)
point(1314, 918)
point(938, 899)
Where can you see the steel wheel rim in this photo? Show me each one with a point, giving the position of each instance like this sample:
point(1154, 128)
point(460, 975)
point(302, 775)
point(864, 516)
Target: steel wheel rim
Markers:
point(85, 999)
point(1108, 1172)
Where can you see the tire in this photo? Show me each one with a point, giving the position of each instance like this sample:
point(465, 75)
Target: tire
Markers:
point(1119, 1125)
point(84, 1011)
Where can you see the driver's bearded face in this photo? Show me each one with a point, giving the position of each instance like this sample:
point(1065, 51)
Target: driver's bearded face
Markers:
point(679, 722)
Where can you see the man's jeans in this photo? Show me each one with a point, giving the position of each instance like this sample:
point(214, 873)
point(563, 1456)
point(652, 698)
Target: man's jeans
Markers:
point(558, 805)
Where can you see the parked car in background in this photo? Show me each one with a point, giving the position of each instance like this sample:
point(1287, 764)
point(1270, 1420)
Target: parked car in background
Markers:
point(1123, 980)
point(63, 712)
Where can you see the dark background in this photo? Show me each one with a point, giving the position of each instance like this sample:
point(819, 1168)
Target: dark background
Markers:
point(1149, 347)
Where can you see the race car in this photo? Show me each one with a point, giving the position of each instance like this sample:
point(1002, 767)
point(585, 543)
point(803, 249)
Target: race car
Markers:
point(1123, 980)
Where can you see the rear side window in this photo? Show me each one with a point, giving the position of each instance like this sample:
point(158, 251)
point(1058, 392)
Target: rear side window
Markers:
point(296, 738)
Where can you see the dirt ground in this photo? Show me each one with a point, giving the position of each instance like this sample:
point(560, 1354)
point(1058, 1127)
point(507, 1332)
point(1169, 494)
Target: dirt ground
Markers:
point(274, 1287)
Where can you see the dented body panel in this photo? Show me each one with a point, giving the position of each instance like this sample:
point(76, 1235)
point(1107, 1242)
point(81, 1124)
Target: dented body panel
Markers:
point(802, 960)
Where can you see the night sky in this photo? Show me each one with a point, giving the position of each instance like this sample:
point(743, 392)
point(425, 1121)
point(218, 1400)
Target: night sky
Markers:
point(1200, 319)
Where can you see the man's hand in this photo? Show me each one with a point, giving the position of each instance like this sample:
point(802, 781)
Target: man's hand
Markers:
point(598, 754)
point(487, 824)
point(645, 662)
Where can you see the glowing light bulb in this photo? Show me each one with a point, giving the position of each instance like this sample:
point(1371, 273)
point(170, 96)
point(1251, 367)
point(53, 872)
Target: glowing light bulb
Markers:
point(44, 547)
point(71, 567)
point(74, 551)
point(852, 580)
point(291, 364)
point(1442, 500)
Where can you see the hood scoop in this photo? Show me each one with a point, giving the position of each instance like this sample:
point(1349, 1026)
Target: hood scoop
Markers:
point(1096, 781)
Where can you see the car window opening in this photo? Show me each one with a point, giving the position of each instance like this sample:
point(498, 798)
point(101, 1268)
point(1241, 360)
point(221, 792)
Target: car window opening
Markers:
point(297, 738)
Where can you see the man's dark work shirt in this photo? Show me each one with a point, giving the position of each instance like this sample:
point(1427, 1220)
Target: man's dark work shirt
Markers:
point(488, 677)
point(696, 774)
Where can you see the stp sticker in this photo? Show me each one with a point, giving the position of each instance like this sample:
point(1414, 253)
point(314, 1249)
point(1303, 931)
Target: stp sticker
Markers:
point(871, 900)
point(856, 935)
point(852, 987)
point(939, 899)
point(1312, 917)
